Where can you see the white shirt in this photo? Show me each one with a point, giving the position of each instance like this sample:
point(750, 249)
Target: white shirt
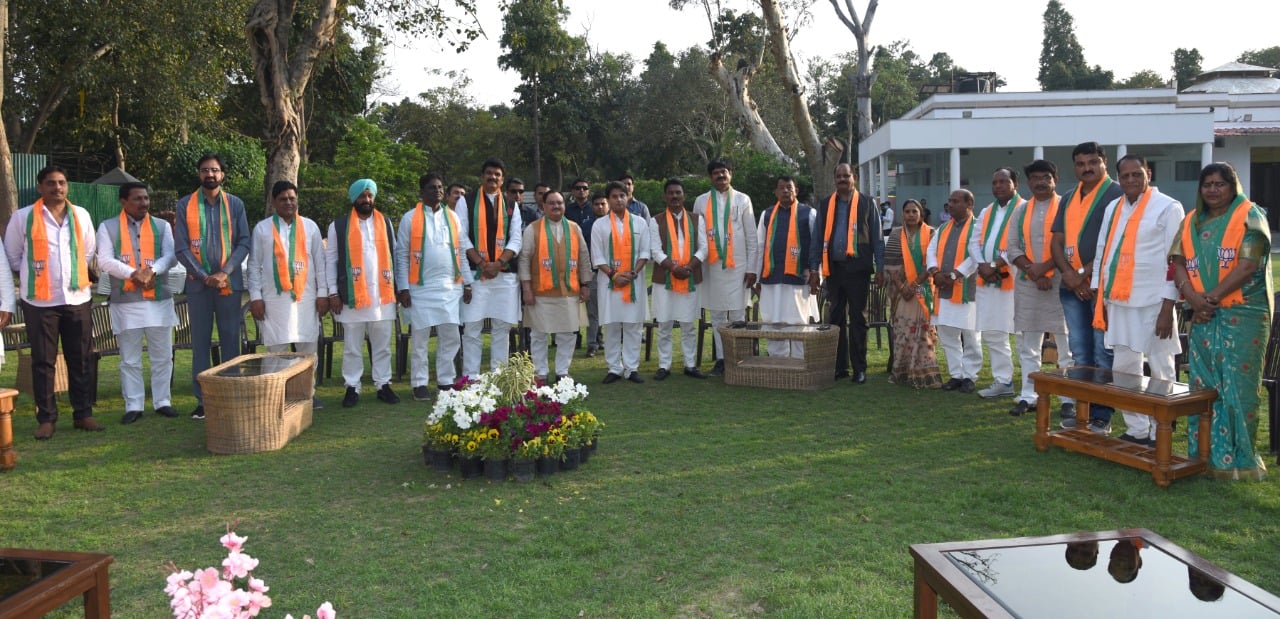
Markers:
point(60, 263)
point(149, 313)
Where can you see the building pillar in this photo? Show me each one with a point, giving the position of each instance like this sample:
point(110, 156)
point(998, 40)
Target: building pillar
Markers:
point(1037, 152)
point(1121, 151)
point(884, 176)
point(955, 169)
point(1206, 154)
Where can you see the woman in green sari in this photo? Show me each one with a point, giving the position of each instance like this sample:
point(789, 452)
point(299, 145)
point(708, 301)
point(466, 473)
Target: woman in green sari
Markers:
point(911, 295)
point(1221, 263)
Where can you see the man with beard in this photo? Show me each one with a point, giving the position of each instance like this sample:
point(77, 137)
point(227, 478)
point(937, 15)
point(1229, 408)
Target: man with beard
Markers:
point(554, 277)
point(849, 256)
point(988, 246)
point(729, 272)
point(211, 238)
point(1075, 241)
point(1135, 295)
point(432, 283)
point(786, 244)
point(360, 258)
point(678, 245)
point(619, 250)
point(1035, 287)
point(952, 268)
point(494, 229)
point(288, 278)
point(136, 251)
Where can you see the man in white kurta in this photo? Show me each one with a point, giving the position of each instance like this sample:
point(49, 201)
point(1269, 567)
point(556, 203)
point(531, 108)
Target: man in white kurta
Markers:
point(995, 296)
point(141, 301)
point(495, 229)
point(785, 295)
point(1142, 324)
point(555, 273)
point(363, 299)
point(432, 283)
point(729, 272)
point(287, 278)
point(952, 268)
point(620, 283)
point(1035, 287)
point(677, 246)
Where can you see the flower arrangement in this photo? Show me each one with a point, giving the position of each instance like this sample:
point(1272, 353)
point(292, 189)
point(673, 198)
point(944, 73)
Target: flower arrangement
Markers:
point(232, 592)
point(503, 414)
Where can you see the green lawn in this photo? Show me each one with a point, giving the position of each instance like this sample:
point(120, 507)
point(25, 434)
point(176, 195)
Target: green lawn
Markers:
point(703, 501)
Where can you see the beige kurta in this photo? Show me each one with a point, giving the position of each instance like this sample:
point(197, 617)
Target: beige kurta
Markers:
point(555, 311)
point(1036, 310)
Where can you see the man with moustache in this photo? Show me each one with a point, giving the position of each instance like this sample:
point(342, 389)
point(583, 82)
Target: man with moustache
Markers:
point(454, 193)
point(515, 197)
point(287, 276)
point(1035, 287)
point(554, 278)
point(848, 254)
point(578, 209)
point(729, 272)
point(953, 267)
point(677, 245)
point(995, 295)
point(620, 250)
point(1075, 241)
point(136, 251)
point(432, 282)
point(1135, 295)
point(494, 228)
point(211, 238)
point(786, 238)
point(599, 211)
point(635, 206)
point(360, 257)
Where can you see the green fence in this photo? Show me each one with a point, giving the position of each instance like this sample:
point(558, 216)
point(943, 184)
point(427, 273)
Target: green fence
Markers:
point(102, 201)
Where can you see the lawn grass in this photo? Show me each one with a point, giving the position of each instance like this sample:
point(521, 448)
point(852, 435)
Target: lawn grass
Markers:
point(703, 501)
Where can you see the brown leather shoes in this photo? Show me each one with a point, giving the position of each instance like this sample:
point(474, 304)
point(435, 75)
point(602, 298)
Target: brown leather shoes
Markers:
point(89, 424)
point(44, 432)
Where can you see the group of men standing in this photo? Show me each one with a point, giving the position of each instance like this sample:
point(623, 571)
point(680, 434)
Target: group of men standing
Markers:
point(1089, 267)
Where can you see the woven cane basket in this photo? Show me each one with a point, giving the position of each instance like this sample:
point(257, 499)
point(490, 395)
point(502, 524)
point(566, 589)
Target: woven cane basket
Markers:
point(745, 366)
point(256, 412)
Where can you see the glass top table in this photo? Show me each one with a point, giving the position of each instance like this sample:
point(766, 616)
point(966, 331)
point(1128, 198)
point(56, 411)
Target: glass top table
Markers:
point(1129, 382)
point(17, 574)
point(261, 365)
point(1128, 573)
point(35, 582)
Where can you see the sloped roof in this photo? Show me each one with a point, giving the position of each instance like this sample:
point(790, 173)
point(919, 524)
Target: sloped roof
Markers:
point(1239, 67)
point(115, 177)
point(1237, 85)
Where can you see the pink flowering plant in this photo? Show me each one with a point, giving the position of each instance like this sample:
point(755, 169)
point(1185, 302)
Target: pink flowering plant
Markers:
point(232, 592)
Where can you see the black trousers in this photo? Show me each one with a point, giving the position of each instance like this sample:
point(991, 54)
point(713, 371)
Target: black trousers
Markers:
point(847, 291)
point(73, 324)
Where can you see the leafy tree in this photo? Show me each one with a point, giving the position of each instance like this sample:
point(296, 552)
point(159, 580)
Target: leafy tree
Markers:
point(1266, 57)
point(244, 159)
point(8, 188)
point(1143, 79)
point(1062, 65)
point(365, 152)
point(1186, 66)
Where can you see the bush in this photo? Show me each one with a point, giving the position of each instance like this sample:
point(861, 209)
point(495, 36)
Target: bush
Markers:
point(245, 161)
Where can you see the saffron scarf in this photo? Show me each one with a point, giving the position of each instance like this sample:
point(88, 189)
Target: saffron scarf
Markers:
point(417, 243)
point(290, 264)
point(547, 267)
point(959, 292)
point(1002, 239)
point(1077, 216)
point(1118, 261)
point(720, 231)
point(1043, 253)
point(620, 245)
point(198, 233)
point(39, 279)
point(793, 244)
point(850, 236)
point(679, 253)
point(480, 228)
point(1206, 277)
point(149, 239)
point(913, 263)
point(357, 288)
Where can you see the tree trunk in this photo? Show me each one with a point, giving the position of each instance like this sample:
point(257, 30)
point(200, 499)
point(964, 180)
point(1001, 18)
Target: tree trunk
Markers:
point(8, 189)
point(736, 84)
point(115, 128)
point(865, 77)
point(537, 132)
point(282, 76)
point(820, 167)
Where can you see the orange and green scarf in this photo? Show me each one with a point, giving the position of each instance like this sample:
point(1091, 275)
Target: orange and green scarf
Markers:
point(480, 228)
point(1002, 239)
point(290, 264)
point(622, 254)
point(149, 239)
point(720, 230)
point(851, 235)
point(357, 288)
point(548, 268)
point(1077, 216)
point(417, 241)
point(1043, 254)
point(913, 263)
point(1207, 275)
point(959, 292)
point(39, 279)
point(198, 231)
point(680, 253)
point(1119, 260)
point(793, 244)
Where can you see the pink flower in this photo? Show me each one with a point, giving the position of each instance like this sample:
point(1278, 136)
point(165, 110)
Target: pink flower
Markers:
point(256, 584)
point(238, 565)
point(233, 542)
point(257, 602)
point(326, 611)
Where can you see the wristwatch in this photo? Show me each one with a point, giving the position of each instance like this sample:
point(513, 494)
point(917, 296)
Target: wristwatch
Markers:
point(1080, 270)
point(953, 275)
point(993, 264)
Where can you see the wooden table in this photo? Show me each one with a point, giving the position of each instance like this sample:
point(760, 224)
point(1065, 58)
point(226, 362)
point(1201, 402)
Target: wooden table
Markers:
point(1163, 400)
point(1079, 575)
point(8, 457)
point(56, 578)
point(744, 366)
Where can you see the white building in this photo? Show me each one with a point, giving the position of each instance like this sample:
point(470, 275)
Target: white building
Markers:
point(954, 141)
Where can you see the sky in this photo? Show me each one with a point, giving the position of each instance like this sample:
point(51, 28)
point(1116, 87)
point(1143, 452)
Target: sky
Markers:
point(980, 35)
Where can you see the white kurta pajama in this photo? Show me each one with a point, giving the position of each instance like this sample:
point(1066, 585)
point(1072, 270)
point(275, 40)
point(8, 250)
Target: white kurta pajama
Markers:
point(995, 305)
point(555, 312)
point(782, 302)
point(436, 300)
point(671, 307)
point(955, 322)
point(287, 322)
point(723, 292)
point(1037, 311)
point(496, 299)
point(135, 317)
point(622, 321)
point(1131, 324)
point(375, 321)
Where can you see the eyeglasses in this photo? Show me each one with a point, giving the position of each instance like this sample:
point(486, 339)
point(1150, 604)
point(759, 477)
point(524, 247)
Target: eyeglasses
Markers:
point(1214, 185)
point(581, 188)
point(209, 170)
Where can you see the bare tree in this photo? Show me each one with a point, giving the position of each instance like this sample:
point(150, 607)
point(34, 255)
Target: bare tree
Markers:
point(8, 189)
point(864, 77)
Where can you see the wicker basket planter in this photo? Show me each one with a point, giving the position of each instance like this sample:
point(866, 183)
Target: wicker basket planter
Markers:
point(256, 402)
point(744, 366)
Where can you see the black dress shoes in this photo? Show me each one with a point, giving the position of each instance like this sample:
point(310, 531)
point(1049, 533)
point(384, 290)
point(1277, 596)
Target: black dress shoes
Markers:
point(859, 377)
point(166, 411)
point(130, 417)
point(717, 369)
point(635, 378)
point(385, 394)
point(611, 378)
point(662, 374)
point(842, 374)
point(351, 398)
point(952, 385)
point(694, 373)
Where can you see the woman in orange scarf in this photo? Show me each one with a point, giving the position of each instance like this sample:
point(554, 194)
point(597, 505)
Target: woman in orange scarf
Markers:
point(915, 341)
